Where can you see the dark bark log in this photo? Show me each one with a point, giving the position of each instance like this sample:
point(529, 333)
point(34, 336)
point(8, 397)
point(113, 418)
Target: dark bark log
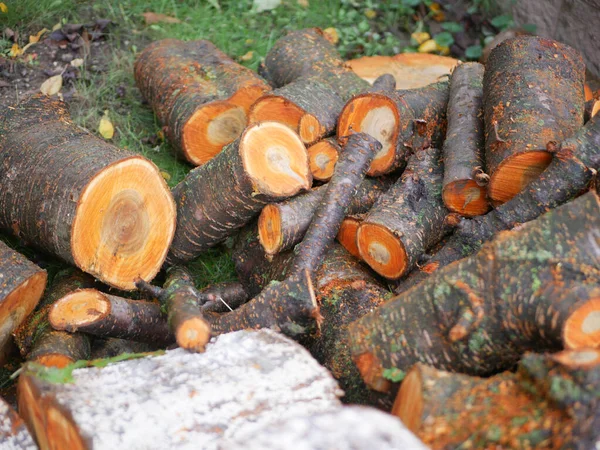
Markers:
point(407, 220)
point(322, 157)
point(198, 93)
point(524, 291)
point(266, 164)
point(384, 83)
point(402, 121)
point(282, 225)
point(22, 284)
point(97, 207)
point(14, 434)
point(111, 347)
point(464, 189)
point(533, 94)
point(508, 410)
point(224, 297)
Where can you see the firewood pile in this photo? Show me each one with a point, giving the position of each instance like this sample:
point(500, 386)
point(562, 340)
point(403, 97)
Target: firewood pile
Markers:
point(370, 224)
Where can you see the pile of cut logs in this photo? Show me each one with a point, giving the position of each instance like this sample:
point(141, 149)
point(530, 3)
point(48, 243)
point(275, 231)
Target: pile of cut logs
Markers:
point(417, 186)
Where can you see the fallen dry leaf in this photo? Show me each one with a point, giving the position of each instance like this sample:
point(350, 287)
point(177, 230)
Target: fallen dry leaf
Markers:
point(15, 51)
point(151, 18)
point(52, 85)
point(77, 62)
point(58, 26)
point(265, 5)
point(36, 38)
point(3, 8)
point(106, 128)
point(428, 46)
point(370, 14)
point(331, 35)
point(303, 3)
point(165, 175)
point(248, 56)
point(420, 37)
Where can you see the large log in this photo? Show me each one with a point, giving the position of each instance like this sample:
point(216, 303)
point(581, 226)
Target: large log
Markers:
point(266, 164)
point(524, 291)
point(242, 383)
point(22, 284)
point(14, 434)
point(99, 208)
point(550, 402)
point(198, 93)
point(533, 94)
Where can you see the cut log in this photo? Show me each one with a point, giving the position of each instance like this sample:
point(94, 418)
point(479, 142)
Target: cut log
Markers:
point(224, 297)
point(36, 339)
point(533, 94)
point(198, 93)
point(308, 105)
point(575, 162)
point(524, 291)
point(307, 53)
point(322, 157)
point(242, 383)
point(282, 225)
point(266, 164)
point(104, 315)
point(508, 410)
point(14, 434)
point(464, 190)
point(111, 347)
point(347, 236)
point(346, 428)
point(402, 121)
point(407, 220)
point(99, 208)
point(22, 284)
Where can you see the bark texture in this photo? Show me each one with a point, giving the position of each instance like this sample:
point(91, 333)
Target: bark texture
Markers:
point(224, 297)
point(14, 434)
point(111, 347)
point(524, 291)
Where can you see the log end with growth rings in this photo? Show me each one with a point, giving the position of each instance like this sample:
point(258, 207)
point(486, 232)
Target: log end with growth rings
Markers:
point(376, 115)
point(274, 108)
point(124, 223)
point(54, 360)
point(466, 198)
point(583, 358)
point(80, 308)
point(381, 249)
point(582, 328)
point(193, 334)
point(270, 230)
point(408, 405)
point(322, 157)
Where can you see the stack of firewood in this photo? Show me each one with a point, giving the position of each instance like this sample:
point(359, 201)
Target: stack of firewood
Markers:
point(415, 185)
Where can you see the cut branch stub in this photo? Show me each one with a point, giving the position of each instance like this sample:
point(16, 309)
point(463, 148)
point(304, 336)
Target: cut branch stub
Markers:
point(22, 284)
point(464, 189)
point(106, 211)
point(347, 235)
point(266, 164)
point(200, 94)
point(533, 94)
point(322, 157)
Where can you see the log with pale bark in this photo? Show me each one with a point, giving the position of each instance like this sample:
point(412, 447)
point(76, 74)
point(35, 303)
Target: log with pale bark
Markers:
point(268, 163)
point(524, 291)
point(22, 284)
point(552, 401)
point(243, 382)
point(104, 210)
point(533, 92)
point(198, 93)
point(14, 434)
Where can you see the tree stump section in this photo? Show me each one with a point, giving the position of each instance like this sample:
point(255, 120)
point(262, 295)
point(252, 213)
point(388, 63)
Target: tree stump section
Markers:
point(14, 434)
point(22, 284)
point(104, 210)
point(242, 383)
point(198, 93)
point(533, 94)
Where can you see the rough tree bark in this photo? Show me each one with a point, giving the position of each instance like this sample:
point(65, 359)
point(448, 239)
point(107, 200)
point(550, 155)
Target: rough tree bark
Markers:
point(524, 291)
point(13, 431)
point(99, 208)
point(22, 284)
point(198, 93)
point(464, 189)
point(533, 94)
point(545, 404)
point(322, 157)
point(266, 164)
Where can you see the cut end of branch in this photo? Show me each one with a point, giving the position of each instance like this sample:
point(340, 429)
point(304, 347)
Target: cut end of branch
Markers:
point(269, 229)
point(322, 158)
point(408, 405)
point(54, 360)
point(584, 358)
point(276, 109)
point(310, 129)
point(347, 235)
point(124, 223)
point(371, 371)
point(582, 328)
point(466, 198)
point(193, 334)
point(80, 308)
point(382, 250)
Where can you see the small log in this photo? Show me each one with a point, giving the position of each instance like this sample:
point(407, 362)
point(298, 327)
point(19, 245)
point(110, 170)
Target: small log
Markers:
point(282, 225)
point(524, 291)
point(540, 406)
point(111, 347)
point(93, 312)
point(464, 190)
point(198, 93)
point(308, 105)
point(179, 399)
point(224, 297)
point(385, 82)
point(266, 164)
point(22, 284)
point(347, 235)
point(36, 339)
point(402, 121)
point(14, 434)
point(322, 157)
point(104, 210)
point(533, 94)
point(407, 220)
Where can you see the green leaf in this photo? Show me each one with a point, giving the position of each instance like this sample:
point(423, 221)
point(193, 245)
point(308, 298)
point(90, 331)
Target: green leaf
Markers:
point(394, 374)
point(502, 22)
point(452, 27)
point(474, 51)
point(411, 3)
point(444, 39)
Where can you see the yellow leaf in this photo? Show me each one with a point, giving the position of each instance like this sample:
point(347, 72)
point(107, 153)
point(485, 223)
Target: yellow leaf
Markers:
point(15, 51)
point(36, 38)
point(165, 175)
point(429, 46)
point(331, 35)
point(3, 8)
point(151, 18)
point(303, 3)
point(249, 41)
point(58, 26)
point(248, 56)
point(435, 7)
point(420, 37)
point(52, 85)
point(370, 14)
point(443, 50)
point(77, 62)
point(106, 128)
